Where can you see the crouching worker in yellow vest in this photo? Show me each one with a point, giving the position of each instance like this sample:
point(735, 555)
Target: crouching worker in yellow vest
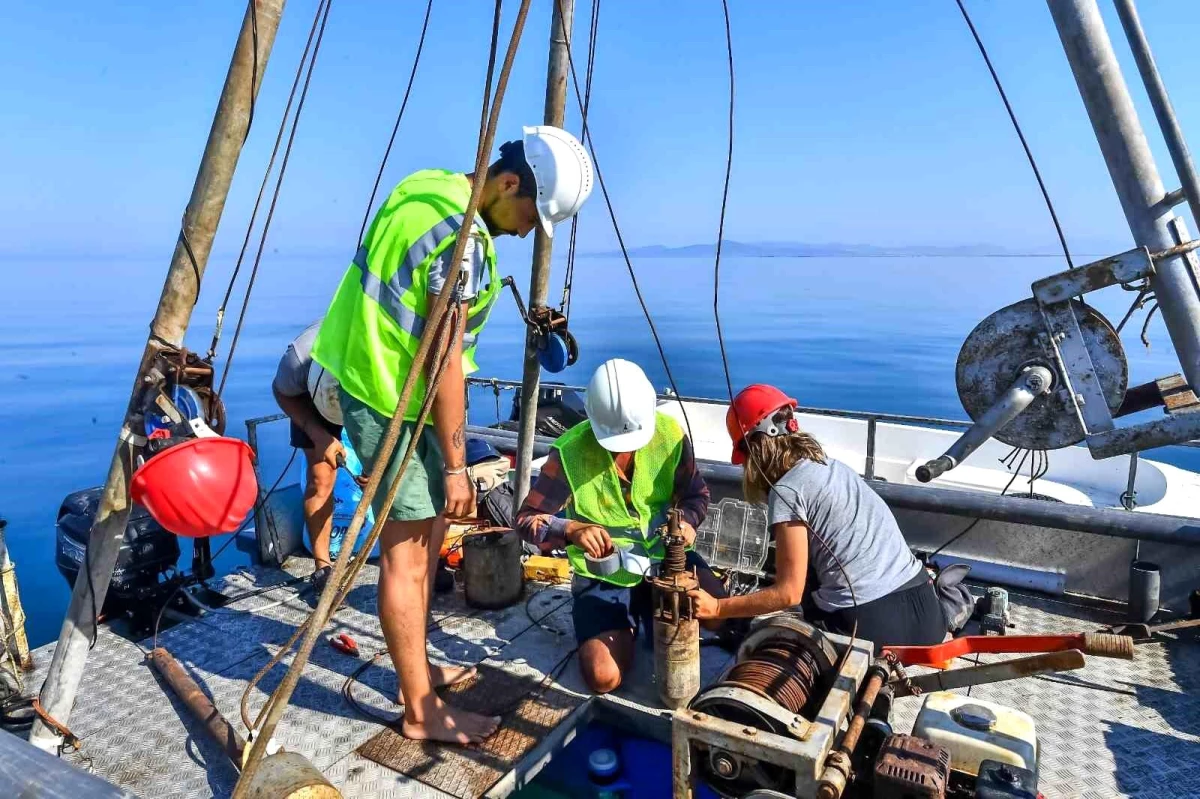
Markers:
point(368, 340)
point(617, 475)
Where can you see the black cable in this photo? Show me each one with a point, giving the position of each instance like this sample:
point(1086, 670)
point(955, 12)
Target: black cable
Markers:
point(87, 568)
point(1146, 325)
point(254, 67)
point(721, 338)
point(258, 505)
point(569, 274)
point(250, 594)
point(491, 68)
point(971, 526)
point(724, 204)
point(262, 241)
point(1138, 303)
point(395, 128)
point(1062, 239)
point(187, 248)
point(237, 267)
point(547, 680)
point(590, 143)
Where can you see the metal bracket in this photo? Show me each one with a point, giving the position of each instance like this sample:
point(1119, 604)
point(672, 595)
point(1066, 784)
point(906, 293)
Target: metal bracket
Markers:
point(1075, 366)
point(1123, 268)
point(1159, 433)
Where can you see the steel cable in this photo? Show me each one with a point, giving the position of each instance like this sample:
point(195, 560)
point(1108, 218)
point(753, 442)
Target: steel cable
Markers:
point(1062, 239)
point(589, 142)
point(217, 329)
point(396, 127)
point(262, 240)
point(569, 274)
point(820, 539)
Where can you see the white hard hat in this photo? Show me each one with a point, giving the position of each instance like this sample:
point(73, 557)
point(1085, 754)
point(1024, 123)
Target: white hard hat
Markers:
point(323, 388)
point(563, 171)
point(621, 406)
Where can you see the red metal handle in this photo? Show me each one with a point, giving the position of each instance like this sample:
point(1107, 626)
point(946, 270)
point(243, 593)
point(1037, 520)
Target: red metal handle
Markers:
point(940, 656)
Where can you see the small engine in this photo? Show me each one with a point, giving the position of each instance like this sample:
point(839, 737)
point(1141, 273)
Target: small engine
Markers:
point(803, 713)
point(772, 719)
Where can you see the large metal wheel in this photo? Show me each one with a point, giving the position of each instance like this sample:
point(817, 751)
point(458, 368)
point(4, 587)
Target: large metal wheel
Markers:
point(1012, 338)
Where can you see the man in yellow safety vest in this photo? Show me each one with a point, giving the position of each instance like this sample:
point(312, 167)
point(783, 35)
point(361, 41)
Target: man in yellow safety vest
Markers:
point(617, 474)
point(367, 341)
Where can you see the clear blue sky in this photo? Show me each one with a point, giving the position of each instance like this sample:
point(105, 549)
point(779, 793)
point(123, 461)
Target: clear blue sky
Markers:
point(873, 121)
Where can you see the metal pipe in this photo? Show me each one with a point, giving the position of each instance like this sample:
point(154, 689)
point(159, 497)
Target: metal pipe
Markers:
point(948, 680)
point(837, 766)
point(1112, 522)
point(992, 572)
point(557, 71)
point(1029, 385)
point(869, 467)
point(198, 702)
point(1129, 498)
point(1181, 157)
point(1132, 169)
point(170, 323)
point(835, 413)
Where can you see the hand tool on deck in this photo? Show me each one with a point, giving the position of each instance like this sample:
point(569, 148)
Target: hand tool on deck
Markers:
point(344, 644)
point(1144, 633)
point(1045, 663)
point(940, 656)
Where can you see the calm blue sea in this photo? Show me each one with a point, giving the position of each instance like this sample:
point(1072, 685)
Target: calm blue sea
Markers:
point(876, 334)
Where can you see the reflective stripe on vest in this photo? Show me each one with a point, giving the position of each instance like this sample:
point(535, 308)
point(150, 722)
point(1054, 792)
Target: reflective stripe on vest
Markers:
point(596, 492)
point(374, 325)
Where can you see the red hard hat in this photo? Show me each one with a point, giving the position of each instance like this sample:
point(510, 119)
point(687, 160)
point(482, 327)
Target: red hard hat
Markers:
point(201, 488)
point(751, 406)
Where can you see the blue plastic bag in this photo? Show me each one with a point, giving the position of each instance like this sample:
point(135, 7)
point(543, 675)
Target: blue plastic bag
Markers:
point(346, 495)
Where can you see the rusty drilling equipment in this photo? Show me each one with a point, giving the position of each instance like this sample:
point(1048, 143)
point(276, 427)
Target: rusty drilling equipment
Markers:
point(676, 629)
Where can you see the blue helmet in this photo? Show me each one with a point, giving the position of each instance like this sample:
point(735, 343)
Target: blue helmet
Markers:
point(479, 450)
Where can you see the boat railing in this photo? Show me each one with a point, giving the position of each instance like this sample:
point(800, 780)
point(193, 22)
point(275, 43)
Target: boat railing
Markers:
point(872, 418)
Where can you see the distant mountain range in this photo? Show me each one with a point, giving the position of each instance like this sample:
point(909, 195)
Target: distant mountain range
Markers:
point(796, 249)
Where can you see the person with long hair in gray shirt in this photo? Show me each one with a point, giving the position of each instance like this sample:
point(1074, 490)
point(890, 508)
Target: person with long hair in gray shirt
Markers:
point(839, 553)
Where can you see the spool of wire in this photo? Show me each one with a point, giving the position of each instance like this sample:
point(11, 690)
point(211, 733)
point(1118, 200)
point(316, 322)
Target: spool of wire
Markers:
point(675, 561)
point(780, 670)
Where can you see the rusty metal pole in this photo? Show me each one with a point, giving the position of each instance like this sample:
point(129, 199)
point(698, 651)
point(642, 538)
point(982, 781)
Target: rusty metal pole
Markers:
point(557, 73)
point(179, 294)
point(198, 702)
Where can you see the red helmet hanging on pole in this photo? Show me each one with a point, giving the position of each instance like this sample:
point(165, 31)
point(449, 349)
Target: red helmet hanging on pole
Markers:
point(753, 411)
point(200, 488)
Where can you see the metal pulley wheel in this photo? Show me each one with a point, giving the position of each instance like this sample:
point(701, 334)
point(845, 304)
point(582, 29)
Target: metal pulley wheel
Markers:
point(1016, 337)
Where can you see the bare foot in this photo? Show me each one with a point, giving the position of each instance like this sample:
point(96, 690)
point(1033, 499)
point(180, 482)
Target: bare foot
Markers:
point(449, 675)
point(440, 722)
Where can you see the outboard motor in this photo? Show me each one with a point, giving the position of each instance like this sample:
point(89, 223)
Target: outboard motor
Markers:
point(147, 552)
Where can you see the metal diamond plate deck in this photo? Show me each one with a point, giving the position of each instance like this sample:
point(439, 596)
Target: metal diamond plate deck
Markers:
point(1114, 728)
point(530, 710)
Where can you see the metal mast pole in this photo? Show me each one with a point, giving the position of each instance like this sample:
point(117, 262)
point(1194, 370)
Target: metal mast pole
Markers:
point(557, 73)
point(1133, 172)
point(170, 323)
point(1163, 110)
